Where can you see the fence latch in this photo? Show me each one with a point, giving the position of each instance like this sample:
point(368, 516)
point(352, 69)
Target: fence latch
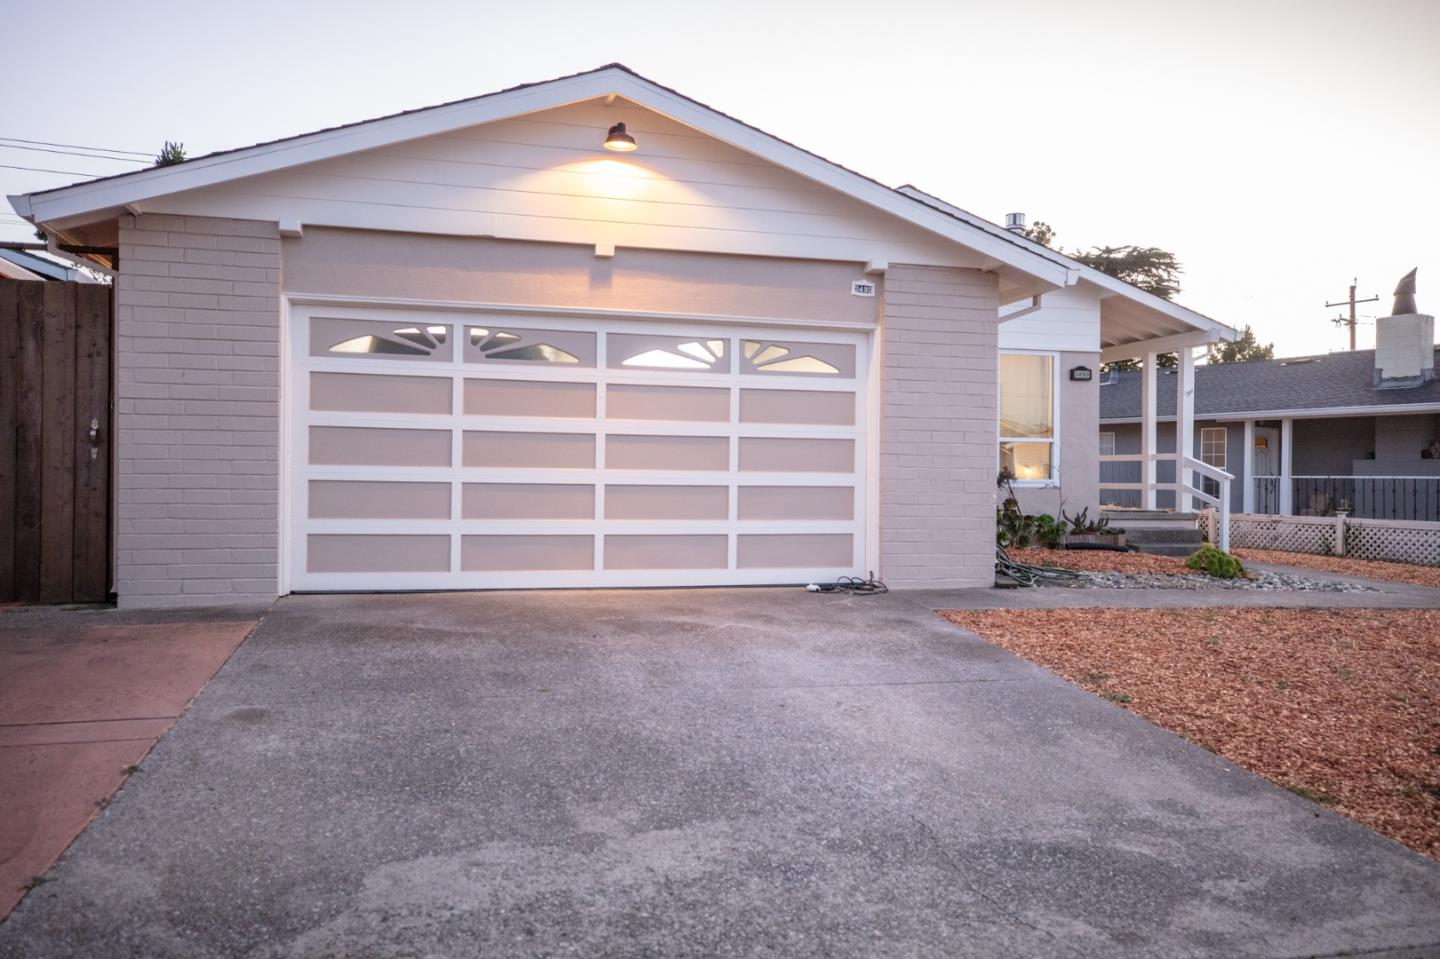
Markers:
point(94, 437)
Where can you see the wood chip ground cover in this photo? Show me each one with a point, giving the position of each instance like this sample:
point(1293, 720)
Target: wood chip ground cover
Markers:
point(1104, 561)
point(1341, 706)
point(1345, 566)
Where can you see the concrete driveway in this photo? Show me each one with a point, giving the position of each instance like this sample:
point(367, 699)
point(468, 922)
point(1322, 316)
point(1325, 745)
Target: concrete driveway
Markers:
point(693, 772)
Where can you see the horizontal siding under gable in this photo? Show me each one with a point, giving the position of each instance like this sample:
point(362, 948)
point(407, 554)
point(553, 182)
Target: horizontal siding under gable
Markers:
point(1067, 320)
point(544, 177)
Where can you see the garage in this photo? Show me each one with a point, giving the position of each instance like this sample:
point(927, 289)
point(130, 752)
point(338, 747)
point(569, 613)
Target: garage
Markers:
point(436, 449)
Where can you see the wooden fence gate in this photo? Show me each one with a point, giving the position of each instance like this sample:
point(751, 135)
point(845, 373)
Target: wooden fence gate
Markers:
point(54, 441)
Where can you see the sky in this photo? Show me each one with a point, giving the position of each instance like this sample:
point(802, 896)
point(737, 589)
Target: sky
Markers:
point(1277, 148)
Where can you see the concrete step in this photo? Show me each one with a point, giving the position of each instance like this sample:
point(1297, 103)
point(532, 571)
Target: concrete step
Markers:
point(1128, 519)
point(1168, 549)
point(1161, 537)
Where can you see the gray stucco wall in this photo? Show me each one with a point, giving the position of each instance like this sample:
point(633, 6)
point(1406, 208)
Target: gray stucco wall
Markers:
point(1127, 440)
point(1330, 447)
point(937, 435)
point(1078, 472)
point(197, 320)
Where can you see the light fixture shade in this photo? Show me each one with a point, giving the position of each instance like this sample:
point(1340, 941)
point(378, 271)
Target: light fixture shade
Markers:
point(618, 140)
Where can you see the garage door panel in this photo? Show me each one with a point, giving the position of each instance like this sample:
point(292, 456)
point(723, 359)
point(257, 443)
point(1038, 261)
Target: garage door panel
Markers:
point(699, 551)
point(645, 452)
point(805, 407)
point(795, 455)
point(497, 553)
point(529, 398)
point(378, 553)
point(432, 450)
point(795, 550)
point(366, 499)
point(797, 503)
point(371, 393)
point(506, 344)
point(374, 446)
point(514, 501)
point(394, 340)
point(667, 502)
point(704, 404)
point(517, 450)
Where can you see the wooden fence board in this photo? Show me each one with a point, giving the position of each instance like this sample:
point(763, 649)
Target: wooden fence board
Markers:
point(28, 430)
point(9, 344)
point(57, 446)
point(92, 460)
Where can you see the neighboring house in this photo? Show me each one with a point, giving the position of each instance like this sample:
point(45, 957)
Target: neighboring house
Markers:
point(24, 265)
point(466, 347)
point(1308, 435)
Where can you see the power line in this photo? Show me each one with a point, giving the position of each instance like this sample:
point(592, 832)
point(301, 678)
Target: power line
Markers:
point(74, 146)
point(73, 153)
point(41, 169)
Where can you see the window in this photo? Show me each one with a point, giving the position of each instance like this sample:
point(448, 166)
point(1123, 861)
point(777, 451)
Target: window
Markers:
point(1107, 444)
point(1027, 416)
point(1213, 440)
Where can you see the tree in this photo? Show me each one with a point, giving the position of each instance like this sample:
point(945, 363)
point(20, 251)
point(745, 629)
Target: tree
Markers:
point(1040, 232)
point(1246, 349)
point(170, 154)
point(1149, 268)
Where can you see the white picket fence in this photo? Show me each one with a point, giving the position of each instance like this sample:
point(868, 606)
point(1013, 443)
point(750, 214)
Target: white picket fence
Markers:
point(1400, 541)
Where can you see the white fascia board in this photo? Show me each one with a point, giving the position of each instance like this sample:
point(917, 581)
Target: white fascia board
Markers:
point(1334, 412)
point(1160, 344)
point(310, 148)
point(104, 195)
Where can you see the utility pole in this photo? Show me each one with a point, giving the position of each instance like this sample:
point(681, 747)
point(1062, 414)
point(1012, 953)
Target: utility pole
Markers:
point(1352, 322)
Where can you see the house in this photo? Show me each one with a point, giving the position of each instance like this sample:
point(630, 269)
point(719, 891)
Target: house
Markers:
point(1306, 435)
point(22, 264)
point(584, 332)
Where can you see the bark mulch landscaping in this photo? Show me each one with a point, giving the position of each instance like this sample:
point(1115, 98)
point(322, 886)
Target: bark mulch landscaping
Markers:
point(1345, 566)
point(1104, 561)
point(1341, 706)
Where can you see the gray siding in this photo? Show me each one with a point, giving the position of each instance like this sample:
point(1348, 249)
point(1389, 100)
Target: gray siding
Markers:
point(937, 439)
point(197, 411)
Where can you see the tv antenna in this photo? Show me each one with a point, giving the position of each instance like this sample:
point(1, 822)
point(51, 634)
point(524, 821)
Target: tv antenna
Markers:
point(1351, 322)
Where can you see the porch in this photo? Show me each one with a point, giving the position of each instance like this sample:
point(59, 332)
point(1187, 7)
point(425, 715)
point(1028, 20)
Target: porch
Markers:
point(1155, 481)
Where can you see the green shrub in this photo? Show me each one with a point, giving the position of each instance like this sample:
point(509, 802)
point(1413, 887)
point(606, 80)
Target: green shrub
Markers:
point(1216, 562)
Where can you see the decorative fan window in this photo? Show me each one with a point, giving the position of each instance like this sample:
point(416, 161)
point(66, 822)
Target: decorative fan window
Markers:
point(505, 345)
point(694, 355)
point(405, 341)
point(773, 358)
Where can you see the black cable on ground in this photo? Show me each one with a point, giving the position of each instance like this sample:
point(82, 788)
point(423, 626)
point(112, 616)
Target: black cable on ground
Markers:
point(1026, 575)
point(853, 585)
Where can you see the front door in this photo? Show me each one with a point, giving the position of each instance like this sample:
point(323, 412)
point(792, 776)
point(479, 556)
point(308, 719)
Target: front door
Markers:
point(1265, 469)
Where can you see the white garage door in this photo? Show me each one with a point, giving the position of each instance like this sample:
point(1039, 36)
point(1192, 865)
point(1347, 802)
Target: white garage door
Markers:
point(464, 451)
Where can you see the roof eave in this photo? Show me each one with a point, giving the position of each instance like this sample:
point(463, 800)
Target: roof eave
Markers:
point(104, 198)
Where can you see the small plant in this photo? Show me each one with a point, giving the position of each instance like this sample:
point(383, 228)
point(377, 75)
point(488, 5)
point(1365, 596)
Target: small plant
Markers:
point(1314, 795)
point(1081, 523)
point(1095, 679)
point(1014, 528)
point(34, 882)
point(1216, 562)
point(1121, 698)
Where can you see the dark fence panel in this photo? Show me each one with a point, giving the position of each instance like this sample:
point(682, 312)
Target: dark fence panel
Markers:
point(55, 361)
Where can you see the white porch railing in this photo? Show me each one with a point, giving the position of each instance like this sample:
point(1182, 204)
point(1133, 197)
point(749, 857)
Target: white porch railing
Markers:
point(1182, 487)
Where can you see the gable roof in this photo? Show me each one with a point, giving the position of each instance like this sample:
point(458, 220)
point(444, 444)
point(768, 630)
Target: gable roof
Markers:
point(107, 197)
point(1322, 385)
point(1148, 302)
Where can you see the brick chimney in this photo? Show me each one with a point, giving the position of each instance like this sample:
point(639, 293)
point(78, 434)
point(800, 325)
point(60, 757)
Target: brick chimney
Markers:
point(1404, 342)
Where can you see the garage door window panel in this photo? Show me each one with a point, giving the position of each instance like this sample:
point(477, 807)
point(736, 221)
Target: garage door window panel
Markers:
point(510, 345)
point(805, 359)
point(337, 338)
point(694, 354)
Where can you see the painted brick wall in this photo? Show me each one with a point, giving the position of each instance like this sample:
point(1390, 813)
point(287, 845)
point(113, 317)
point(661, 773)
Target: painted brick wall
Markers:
point(197, 411)
point(937, 440)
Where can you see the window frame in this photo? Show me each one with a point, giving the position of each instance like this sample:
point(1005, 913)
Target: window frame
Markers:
point(1053, 480)
point(1103, 435)
point(1207, 484)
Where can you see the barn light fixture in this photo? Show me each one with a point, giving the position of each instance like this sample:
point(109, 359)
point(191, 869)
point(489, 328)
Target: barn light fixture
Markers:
point(618, 140)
